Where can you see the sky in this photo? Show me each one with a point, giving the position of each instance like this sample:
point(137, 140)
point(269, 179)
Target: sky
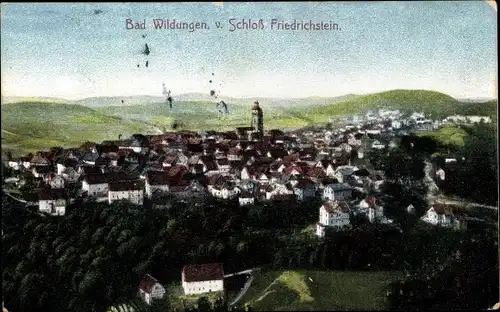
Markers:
point(67, 51)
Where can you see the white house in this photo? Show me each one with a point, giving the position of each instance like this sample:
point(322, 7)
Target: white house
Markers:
point(361, 153)
point(332, 214)
point(278, 189)
point(70, 175)
point(202, 278)
point(346, 147)
point(156, 181)
point(130, 191)
point(372, 208)
point(396, 124)
point(343, 172)
point(246, 199)
point(440, 215)
point(378, 145)
point(223, 165)
point(15, 164)
point(337, 191)
point(373, 131)
point(55, 181)
point(52, 202)
point(96, 185)
point(224, 191)
point(440, 174)
point(305, 189)
point(150, 289)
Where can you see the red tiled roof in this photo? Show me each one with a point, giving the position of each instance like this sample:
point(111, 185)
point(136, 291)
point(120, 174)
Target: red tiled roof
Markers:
point(176, 171)
point(39, 160)
point(303, 183)
point(235, 151)
point(108, 177)
point(52, 194)
point(371, 201)
point(332, 206)
point(290, 169)
point(203, 272)
point(125, 186)
point(316, 172)
point(147, 283)
point(157, 178)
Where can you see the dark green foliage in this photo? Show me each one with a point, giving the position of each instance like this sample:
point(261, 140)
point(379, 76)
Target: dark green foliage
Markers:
point(477, 177)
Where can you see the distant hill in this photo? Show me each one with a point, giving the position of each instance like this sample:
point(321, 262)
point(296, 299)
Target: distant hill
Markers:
point(202, 97)
point(103, 101)
point(18, 99)
point(31, 126)
point(430, 102)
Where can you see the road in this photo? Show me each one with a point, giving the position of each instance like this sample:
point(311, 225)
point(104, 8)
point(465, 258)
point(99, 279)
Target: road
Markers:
point(243, 291)
point(466, 203)
point(242, 272)
point(247, 283)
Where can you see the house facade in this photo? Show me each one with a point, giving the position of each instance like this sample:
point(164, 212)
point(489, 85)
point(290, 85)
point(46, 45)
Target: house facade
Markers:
point(440, 215)
point(337, 191)
point(156, 182)
point(202, 278)
point(129, 191)
point(150, 289)
point(52, 202)
point(333, 214)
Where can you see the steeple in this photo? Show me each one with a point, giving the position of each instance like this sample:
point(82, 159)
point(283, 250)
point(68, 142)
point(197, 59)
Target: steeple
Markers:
point(257, 118)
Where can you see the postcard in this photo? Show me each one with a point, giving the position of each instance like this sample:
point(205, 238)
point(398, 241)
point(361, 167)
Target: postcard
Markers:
point(249, 156)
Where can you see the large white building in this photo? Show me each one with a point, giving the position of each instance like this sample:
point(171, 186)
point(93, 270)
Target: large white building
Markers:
point(52, 201)
point(96, 185)
point(156, 182)
point(202, 278)
point(333, 213)
point(150, 289)
point(130, 191)
point(337, 191)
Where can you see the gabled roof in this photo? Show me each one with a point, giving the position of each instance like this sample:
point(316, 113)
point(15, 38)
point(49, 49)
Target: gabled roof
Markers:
point(40, 160)
point(157, 178)
point(125, 186)
point(52, 194)
point(203, 272)
point(371, 202)
point(335, 205)
point(303, 183)
point(147, 283)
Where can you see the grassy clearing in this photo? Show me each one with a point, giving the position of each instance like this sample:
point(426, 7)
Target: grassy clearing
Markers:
point(448, 135)
point(29, 127)
point(328, 290)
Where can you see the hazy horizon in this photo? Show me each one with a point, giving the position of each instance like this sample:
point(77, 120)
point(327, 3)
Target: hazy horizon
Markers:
point(241, 97)
point(448, 47)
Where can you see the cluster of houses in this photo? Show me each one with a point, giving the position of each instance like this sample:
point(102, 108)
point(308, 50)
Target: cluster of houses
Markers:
point(396, 120)
point(245, 165)
point(197, 279)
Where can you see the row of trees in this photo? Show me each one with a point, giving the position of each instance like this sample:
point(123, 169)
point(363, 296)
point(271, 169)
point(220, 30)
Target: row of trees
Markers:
point(464, 279)
point(476, 178)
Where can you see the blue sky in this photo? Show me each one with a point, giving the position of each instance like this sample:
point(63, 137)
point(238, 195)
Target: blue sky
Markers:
point(64, 50)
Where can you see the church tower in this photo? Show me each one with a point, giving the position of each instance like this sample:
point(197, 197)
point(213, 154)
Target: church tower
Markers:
point(257, 119)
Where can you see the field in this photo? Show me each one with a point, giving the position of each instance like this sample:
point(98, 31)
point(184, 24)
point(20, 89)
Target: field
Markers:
point(448, 135)
point(31, 126)
point(328, 290)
